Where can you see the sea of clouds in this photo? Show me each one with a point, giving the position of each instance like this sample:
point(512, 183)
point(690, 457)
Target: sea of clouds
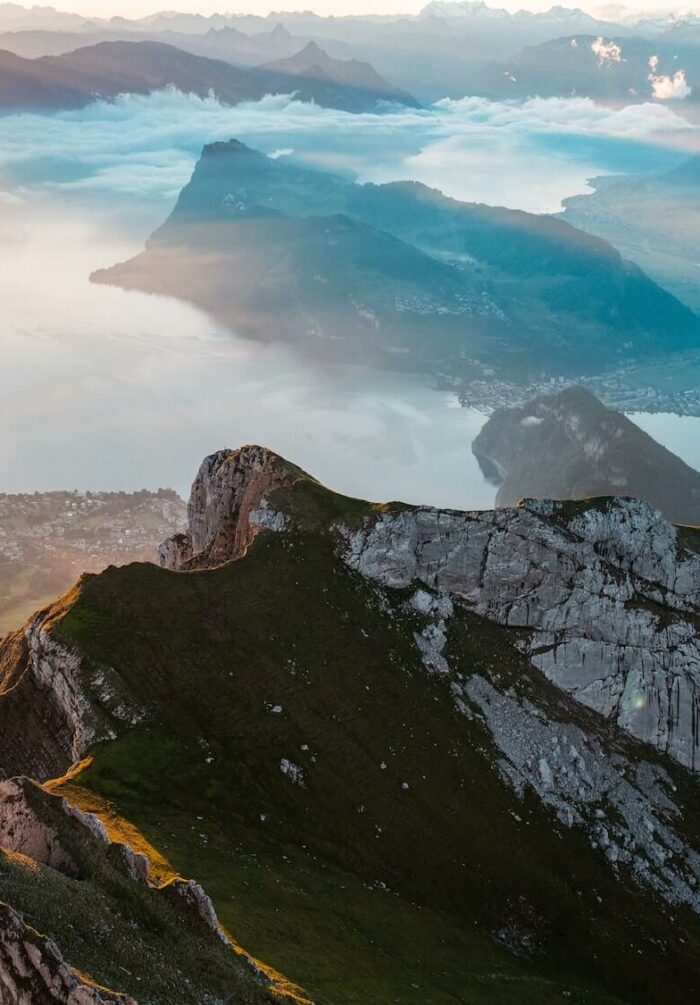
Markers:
point(526, 155)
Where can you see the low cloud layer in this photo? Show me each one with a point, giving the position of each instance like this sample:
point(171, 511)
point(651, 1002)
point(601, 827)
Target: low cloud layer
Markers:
point(526, 155)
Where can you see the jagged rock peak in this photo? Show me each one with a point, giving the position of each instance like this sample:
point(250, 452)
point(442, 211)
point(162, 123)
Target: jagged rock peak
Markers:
point(228, 505)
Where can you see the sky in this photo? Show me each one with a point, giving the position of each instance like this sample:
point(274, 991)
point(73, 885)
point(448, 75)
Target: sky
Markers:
point(140, 8)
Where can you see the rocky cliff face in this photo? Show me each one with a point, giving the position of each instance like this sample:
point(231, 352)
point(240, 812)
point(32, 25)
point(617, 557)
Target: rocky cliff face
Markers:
point(570, 446)
point(608, 593)
point(604, 598)
point(44, 834)
point(228, 505)
point(32, 970)
point(356, 679)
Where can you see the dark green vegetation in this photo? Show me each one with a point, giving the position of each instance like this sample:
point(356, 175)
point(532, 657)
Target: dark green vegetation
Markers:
point(122, 934)
point(591, 451)
point(399, 275)
point(350, 823)
point(212, 654)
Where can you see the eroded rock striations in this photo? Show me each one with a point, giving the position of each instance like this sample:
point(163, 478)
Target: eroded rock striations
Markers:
point(228, 506)
point(607, 592)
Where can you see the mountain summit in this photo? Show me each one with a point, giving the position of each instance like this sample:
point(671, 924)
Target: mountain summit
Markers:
point(449, 749)
point(354, 85)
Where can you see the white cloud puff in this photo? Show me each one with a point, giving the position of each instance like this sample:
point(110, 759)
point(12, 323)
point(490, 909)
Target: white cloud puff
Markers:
point(667, 87)
point(608, 53)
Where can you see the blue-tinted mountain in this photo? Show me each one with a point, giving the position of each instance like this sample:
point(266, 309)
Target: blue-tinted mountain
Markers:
point(401, 273)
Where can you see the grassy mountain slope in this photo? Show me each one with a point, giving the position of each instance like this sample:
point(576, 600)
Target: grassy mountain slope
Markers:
point(350, 823)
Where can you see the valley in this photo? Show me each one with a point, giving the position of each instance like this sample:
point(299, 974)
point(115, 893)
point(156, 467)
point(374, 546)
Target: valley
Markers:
point(402, 706)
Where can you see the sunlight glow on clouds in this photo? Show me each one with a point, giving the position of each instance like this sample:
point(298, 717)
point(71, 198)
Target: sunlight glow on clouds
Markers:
point(668, 88)
point(607, 52)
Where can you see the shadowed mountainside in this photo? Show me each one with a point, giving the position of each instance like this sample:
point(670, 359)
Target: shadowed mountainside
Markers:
point(570, 446)
point(399, 275)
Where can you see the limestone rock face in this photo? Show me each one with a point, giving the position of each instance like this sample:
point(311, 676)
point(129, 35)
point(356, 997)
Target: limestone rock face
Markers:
point(610, 598)
point(49, 721)
point(22, 829)
point(228, 505)
point(175, 551)
point(606, 591)
point(32, 970)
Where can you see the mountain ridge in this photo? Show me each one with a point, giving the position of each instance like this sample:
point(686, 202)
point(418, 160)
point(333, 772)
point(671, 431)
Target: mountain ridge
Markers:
point(301, 621)
point(398, 274)
point(110, 68)
point(418, 619)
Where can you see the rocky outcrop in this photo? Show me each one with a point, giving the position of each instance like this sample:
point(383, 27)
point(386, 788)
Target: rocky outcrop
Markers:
point(175, 551)
point(608, 593)
point(609, 596)
point(39, 827)
point(570, 446)
point(48, 721)
point(34, 823)
point(33, 971)
point(22, 830)
point(54, 707)
point(189, 895)
point(228, 506)
point(626, 809)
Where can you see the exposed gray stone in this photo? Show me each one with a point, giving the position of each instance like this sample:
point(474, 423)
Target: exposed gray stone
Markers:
point(609, 596)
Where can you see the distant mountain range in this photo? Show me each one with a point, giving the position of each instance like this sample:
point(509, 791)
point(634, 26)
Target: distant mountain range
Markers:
point(603, 67)
point(448, 49)
point(399, 275)
point(108, 69)
point(346, 84)
point(228, 44)
point(570, 446)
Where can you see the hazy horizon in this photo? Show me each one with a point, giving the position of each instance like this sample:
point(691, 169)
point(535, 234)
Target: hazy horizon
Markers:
point(340, 8)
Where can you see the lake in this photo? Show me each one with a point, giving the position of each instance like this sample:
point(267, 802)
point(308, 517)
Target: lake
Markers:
point(104, 389)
